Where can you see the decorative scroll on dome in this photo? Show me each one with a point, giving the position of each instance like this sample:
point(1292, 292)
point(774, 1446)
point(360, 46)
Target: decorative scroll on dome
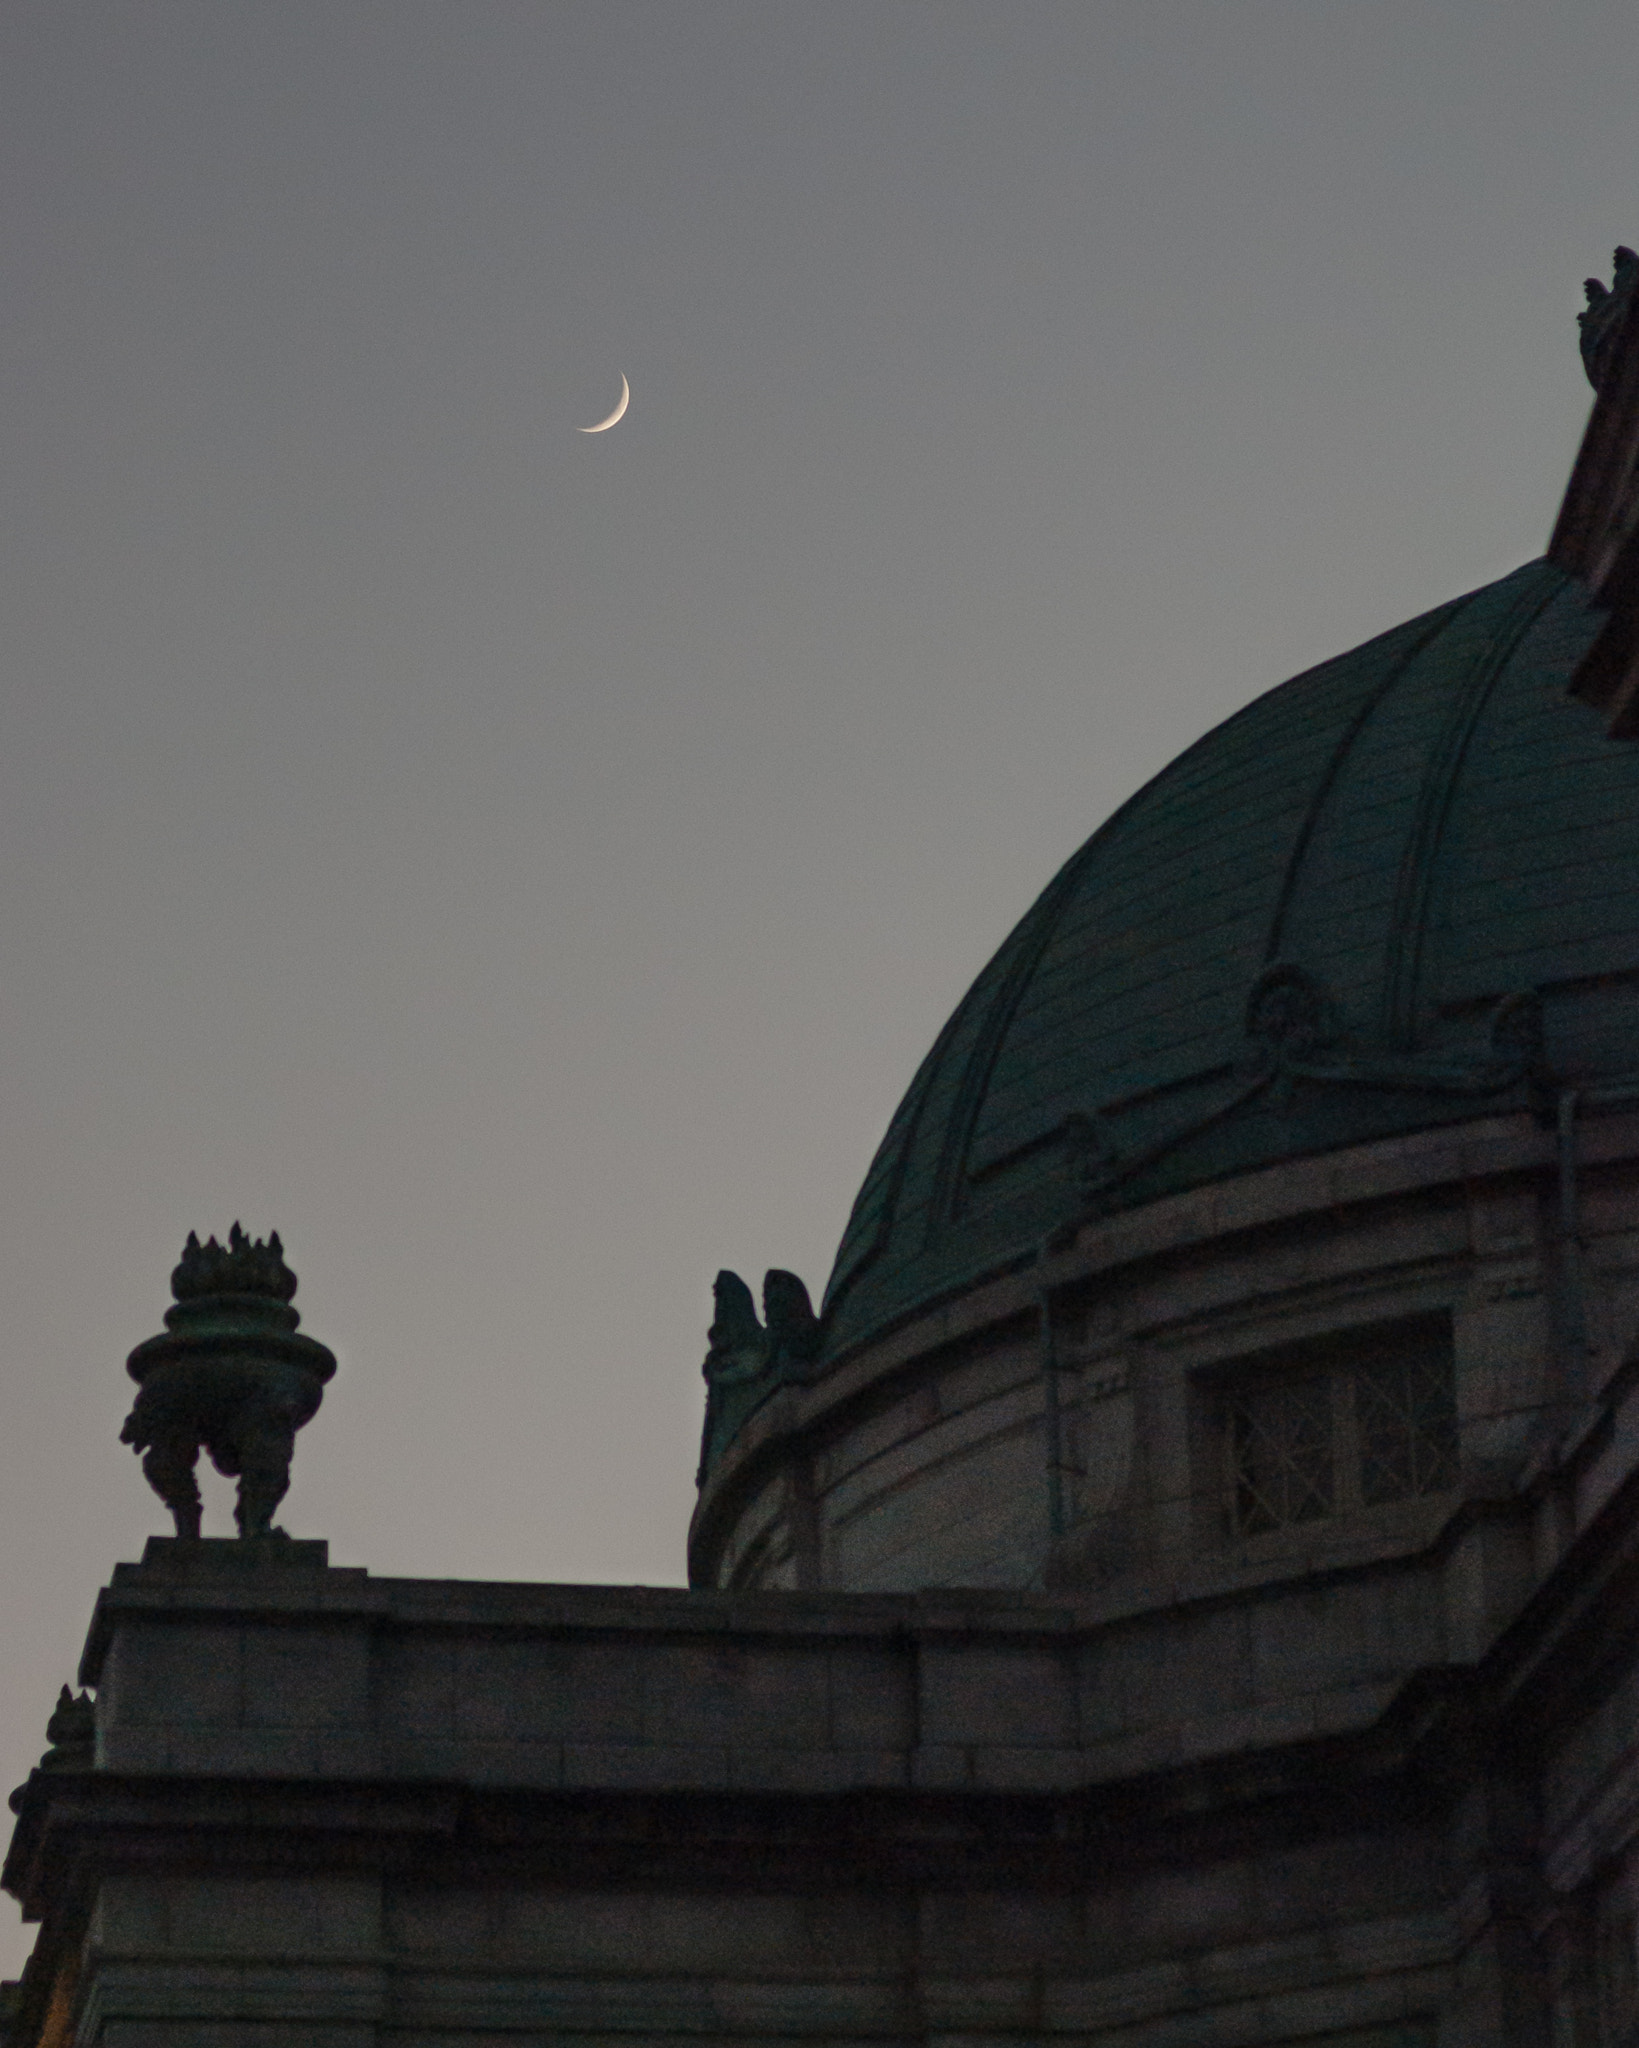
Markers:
point(1292, 1029)
point(1295, 1036)
point(1596, 536)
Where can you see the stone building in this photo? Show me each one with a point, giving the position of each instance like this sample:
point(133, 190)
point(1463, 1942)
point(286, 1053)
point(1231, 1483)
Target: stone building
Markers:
point(1183, 1588)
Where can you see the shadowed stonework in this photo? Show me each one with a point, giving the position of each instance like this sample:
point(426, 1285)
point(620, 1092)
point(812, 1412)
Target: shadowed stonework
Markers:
point(1181, 1592)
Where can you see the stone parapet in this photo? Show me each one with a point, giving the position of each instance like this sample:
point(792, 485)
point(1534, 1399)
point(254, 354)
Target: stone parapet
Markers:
point(206, 1667)
point(325, 1807)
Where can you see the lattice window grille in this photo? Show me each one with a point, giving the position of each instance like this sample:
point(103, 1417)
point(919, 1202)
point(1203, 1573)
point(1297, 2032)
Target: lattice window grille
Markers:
point(1282, 1448)
point(1303, 1445)
point(1406, 1417)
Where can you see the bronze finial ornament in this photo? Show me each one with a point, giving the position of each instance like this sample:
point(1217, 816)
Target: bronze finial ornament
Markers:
point(242, 1266)
point(747, 1359)
point(1601, 319)
point(1596, 536)
point(229, 1376)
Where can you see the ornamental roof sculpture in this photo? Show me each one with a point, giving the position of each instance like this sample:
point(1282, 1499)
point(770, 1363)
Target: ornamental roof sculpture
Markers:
point(243, 1266)
point(748, 1360)
point(1596, 536)
point(229, 1376)
point(1602, 317)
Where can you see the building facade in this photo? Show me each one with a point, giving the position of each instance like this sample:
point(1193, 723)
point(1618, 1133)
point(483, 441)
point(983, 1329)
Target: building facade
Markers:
point(1181, 1588)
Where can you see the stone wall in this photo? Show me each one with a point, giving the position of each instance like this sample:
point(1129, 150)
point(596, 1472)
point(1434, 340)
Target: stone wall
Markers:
point(330, 1808)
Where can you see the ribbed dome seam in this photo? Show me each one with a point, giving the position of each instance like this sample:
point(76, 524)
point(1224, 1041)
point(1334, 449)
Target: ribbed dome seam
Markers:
point(1408, 919)
point(1439, 622)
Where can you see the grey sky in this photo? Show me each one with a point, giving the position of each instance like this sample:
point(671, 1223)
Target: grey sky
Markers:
point(526, 869)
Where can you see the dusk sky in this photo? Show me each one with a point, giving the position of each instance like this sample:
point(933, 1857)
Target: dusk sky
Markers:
point(525, 868)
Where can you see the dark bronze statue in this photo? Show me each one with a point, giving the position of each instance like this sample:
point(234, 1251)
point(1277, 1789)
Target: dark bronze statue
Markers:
point(72, 1735)
point(71, 1732)
point(1602, 318)
point(230, 1376)
point(746, 1358)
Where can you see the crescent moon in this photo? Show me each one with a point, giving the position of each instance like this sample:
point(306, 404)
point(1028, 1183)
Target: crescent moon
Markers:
point(603, 426)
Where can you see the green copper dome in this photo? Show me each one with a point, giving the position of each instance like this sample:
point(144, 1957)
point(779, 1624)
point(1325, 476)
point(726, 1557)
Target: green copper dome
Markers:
point(1399, 890)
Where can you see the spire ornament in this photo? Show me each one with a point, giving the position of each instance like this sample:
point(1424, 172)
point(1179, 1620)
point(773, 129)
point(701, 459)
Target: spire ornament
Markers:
point(1596, 536)
point(748, 1359)
point(229, 1376)
point(1601, 319)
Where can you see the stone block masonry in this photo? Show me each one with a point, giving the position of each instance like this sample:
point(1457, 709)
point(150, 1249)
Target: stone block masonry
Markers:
point(326, 1807)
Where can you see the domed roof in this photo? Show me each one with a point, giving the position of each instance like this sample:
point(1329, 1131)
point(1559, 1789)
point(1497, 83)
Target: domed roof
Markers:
point(1393, 892)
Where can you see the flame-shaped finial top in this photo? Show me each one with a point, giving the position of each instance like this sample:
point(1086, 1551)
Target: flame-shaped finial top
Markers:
point(245, 1265)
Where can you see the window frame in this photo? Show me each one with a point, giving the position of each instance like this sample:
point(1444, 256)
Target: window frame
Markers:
point(1338, 1360)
